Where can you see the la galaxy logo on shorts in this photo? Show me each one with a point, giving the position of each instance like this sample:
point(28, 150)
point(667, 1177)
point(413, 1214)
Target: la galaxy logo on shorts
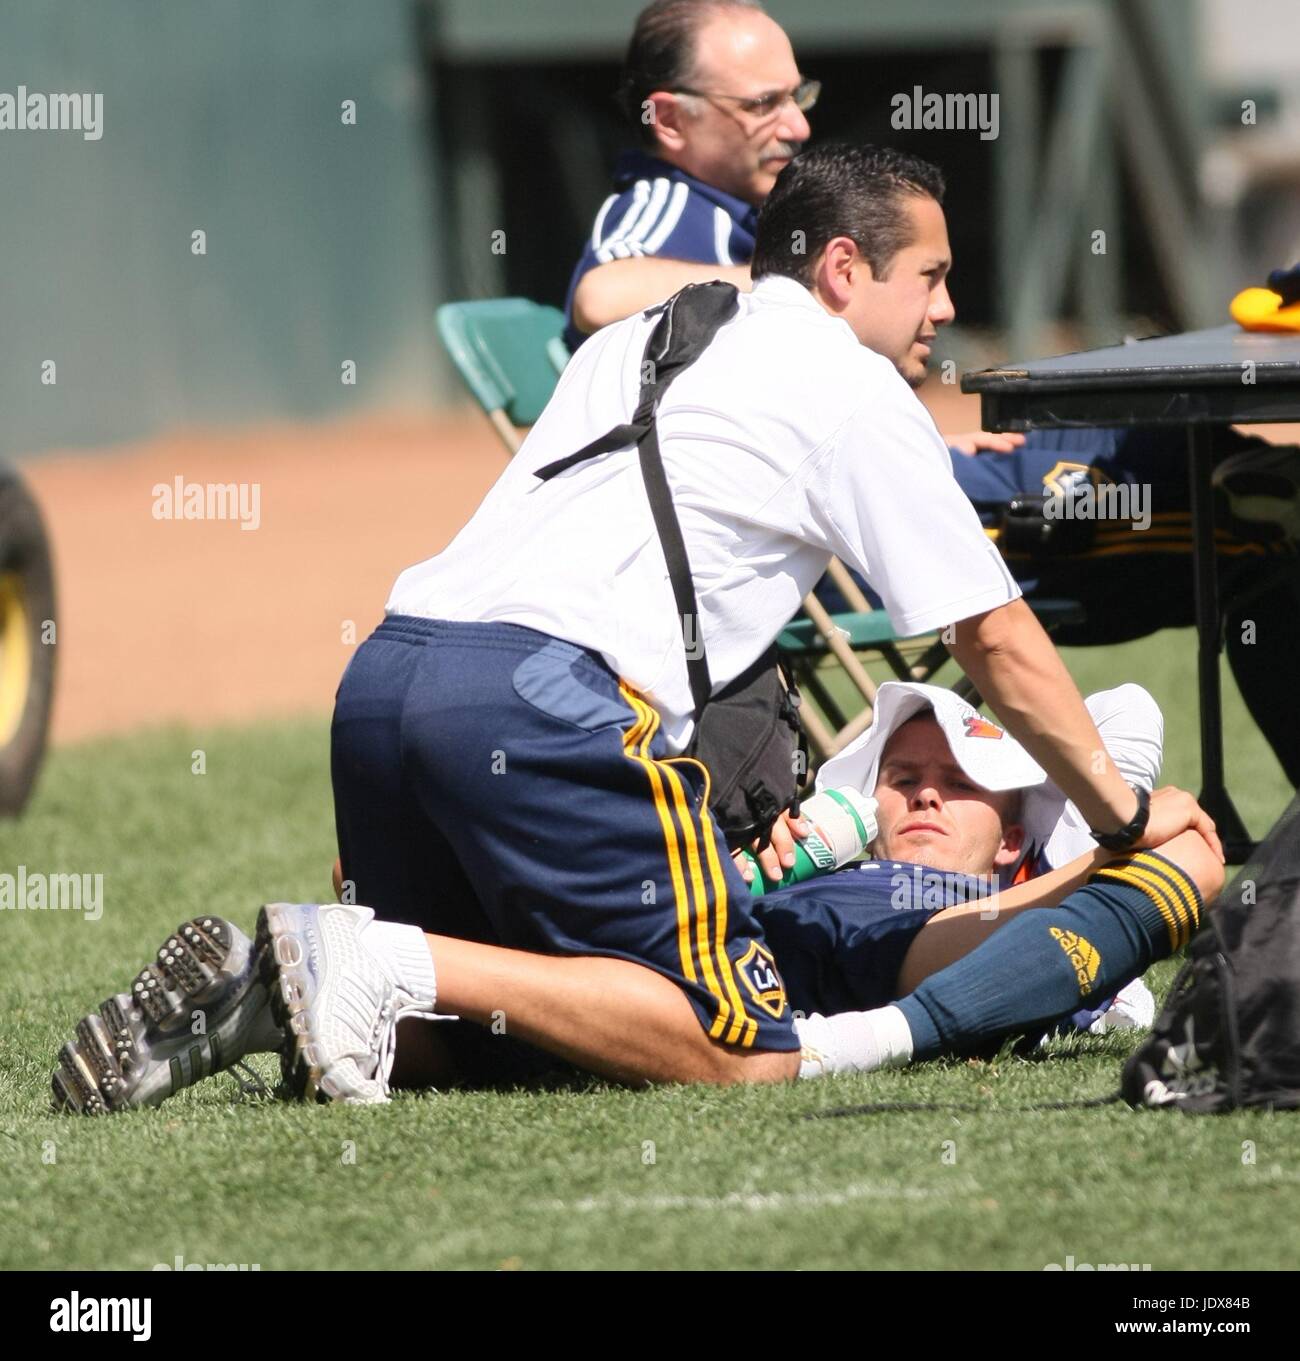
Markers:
point(757, 968)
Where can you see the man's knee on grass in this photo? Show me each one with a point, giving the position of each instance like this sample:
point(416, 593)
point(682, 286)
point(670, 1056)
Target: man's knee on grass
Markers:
point(730, 1065)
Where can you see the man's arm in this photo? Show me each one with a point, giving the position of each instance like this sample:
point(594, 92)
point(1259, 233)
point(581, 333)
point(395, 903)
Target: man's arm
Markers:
point(1016, 668)
point(615, 290)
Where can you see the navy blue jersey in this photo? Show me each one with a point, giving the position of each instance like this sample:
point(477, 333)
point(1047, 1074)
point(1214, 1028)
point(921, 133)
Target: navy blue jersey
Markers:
point(657, 209)
point(839, 940)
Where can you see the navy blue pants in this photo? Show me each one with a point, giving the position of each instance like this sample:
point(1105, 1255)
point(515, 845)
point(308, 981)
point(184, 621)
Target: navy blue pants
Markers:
point(499, 785)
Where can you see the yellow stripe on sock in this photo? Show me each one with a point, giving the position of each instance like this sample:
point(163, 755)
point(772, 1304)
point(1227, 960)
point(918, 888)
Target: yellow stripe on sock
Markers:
point(1161, 884)
point(1121, 873)
point(1182, 883)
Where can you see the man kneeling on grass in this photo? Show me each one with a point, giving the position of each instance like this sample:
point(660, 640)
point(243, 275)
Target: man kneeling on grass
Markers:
point(875, 974)
point(510, 747)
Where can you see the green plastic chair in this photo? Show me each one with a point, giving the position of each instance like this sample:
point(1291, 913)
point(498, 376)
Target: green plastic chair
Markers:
point(509, 352)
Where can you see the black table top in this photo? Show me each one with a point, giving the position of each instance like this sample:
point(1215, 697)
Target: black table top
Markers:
point(1220, 376)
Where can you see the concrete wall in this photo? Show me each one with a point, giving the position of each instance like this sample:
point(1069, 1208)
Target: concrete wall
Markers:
point(226, 118)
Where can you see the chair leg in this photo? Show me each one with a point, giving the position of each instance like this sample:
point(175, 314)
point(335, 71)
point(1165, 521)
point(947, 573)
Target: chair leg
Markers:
point(965, 689)
point(825, 700)
point(510, 437)
point(847, 587)
point(818, 734)
point(838, 644)
point(931, 660)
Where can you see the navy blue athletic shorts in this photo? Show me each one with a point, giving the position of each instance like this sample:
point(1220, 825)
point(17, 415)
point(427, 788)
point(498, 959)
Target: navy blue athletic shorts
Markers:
point(499, 785)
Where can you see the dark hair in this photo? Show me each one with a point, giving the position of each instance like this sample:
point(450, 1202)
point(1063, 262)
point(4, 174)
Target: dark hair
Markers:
point(839, 190)
point(661, 53)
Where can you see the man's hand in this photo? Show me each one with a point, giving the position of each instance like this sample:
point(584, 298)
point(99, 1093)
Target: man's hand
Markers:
point(984, 439)
point(1174, 811)
point(779, 855)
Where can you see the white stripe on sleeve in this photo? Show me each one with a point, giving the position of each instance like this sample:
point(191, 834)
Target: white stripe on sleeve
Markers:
point(669, 220)
point(722, 236)
point(640, 193)
point(600, 220)
point(650, 217)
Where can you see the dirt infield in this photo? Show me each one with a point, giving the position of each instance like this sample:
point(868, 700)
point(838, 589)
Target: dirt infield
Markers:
point(202, 621)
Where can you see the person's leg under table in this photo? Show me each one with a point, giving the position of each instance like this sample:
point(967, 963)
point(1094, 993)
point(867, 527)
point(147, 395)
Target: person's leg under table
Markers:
point(1214, 796)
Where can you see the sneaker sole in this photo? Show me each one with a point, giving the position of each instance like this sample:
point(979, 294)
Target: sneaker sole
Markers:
point(282, 961)
point(100, 1070)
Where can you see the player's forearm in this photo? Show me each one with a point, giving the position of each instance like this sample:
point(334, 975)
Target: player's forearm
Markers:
point(952, 934)
point(612, 291)
point(1017, 670)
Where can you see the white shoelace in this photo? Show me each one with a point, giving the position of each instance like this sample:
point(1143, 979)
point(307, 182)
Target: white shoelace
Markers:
point(386, 1041)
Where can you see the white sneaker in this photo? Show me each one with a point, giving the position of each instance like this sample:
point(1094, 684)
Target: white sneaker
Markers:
point(141, 1047)
point(337, 1002)
point(1134, 1008)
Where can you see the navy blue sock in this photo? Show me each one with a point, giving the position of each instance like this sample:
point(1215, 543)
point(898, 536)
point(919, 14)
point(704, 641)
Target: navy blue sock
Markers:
point(1050, 961)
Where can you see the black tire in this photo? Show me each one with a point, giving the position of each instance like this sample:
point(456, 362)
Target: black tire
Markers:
point(27, 649)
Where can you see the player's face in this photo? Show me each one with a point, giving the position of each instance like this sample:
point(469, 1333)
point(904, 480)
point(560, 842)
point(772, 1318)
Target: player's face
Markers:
point(932, 813)
point(899, 315)
point(748, 56)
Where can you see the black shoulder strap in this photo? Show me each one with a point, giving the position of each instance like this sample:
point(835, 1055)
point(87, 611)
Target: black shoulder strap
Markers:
point(687, 322)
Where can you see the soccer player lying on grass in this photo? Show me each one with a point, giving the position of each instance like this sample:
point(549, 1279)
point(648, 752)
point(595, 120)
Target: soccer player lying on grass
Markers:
point(880, 976)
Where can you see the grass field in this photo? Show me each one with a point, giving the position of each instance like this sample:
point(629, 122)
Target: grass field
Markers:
point(591, 1176)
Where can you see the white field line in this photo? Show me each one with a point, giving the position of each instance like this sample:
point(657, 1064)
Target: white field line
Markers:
point(755, 1201)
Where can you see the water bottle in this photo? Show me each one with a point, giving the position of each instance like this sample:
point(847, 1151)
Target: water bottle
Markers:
point(844, 825)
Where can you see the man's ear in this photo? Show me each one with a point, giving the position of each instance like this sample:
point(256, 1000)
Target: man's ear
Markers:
point(666, 116)
point(1013, 843)
point(837, 268)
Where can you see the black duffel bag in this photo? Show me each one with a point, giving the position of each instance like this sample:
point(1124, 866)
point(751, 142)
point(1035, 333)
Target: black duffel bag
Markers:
point(1228, 1036)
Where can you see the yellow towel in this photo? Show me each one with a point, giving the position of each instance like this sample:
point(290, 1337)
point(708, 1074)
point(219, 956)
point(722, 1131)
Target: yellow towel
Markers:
point(1260, 309)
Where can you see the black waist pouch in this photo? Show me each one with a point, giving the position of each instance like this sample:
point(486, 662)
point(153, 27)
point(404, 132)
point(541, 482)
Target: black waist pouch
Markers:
point(748, 733)
point(750, 739)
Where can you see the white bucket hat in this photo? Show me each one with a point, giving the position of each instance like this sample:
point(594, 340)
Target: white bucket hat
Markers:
point(986, 752)
point(1128, 719)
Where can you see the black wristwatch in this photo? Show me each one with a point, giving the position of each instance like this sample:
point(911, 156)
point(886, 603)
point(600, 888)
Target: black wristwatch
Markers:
point(1132, 831)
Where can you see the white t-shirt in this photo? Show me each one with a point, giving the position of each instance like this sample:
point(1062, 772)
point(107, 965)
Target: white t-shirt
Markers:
point(784, 443)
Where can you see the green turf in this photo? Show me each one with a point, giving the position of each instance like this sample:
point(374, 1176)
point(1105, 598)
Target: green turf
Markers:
point(586, 1177)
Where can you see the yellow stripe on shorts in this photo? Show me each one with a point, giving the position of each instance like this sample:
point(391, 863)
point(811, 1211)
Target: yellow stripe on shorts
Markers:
point(693, 938)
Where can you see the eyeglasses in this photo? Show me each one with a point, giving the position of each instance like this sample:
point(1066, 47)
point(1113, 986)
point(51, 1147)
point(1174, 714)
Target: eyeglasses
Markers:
point(803, 96)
